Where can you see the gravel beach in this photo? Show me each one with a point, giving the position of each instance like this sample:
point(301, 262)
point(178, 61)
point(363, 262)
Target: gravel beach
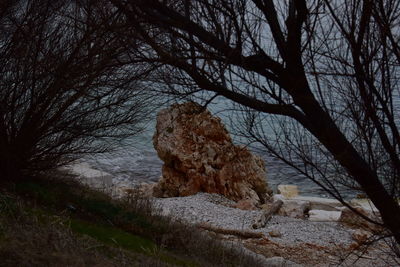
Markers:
point(216, 210)
point(284, 241)
point(294, 241)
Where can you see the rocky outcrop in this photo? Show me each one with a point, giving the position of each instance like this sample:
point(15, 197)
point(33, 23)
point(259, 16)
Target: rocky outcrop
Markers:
point(199, 156)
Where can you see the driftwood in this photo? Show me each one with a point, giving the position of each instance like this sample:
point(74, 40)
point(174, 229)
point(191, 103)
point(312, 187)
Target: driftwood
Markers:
point(225, 231)
point(267, 214)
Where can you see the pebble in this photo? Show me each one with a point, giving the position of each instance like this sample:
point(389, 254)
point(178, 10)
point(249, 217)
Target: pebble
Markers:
point(274, 233)
point(218, 211)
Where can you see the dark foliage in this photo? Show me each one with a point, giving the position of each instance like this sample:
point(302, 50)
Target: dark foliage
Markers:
point(66, 86)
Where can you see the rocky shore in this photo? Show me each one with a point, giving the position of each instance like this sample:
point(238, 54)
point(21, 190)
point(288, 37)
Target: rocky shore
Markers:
point(308, 231)
point(327, 241)
point(222, 189)
point(219, 212)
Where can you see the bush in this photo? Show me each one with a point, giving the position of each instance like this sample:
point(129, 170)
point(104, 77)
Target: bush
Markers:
point(66, 85)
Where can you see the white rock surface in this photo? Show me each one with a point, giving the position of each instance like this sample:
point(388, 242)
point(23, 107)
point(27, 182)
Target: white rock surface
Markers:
point(288, 191)
point(316, 203)
point(365, 204)
point(324, 216)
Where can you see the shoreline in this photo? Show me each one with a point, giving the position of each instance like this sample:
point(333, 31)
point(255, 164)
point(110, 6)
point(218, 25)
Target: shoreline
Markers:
point(322, 236)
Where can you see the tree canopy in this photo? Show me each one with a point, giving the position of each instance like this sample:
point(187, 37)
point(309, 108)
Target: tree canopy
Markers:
point(330, 67)
point(67, 84)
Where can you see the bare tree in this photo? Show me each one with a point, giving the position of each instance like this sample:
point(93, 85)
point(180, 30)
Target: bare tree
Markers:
point(329, 69)
point(67, 86)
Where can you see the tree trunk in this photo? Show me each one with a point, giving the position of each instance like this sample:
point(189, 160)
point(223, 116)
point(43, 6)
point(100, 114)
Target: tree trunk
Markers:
point(325, 130)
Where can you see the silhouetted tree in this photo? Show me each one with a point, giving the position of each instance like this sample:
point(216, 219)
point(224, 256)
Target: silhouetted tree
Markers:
point(327, 70)
point(66, 85)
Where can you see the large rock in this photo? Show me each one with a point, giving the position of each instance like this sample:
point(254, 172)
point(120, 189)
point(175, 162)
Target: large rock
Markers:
point(324, 216)
point(199, 156)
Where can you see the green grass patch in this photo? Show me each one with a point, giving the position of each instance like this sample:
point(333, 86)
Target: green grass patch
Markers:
point(7, 204)
point(116, 237)
point(36, 191)
point(49, 193)
point(111, 212)
point(167, 258)
point(85, 202)
point(113, 236)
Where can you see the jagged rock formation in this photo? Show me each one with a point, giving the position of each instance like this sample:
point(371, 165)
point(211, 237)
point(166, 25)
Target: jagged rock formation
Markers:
point(199, 156)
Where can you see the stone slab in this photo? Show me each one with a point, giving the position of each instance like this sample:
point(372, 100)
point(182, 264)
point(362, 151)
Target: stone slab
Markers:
point(324, 216)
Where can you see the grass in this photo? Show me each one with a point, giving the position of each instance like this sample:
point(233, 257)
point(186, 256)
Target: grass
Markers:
point(58, 222)
point(113, 236)
point(31, 237)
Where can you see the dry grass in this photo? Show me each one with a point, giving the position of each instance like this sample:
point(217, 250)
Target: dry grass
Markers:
point(32, 238)
point(33, 234)
point(56, 222)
